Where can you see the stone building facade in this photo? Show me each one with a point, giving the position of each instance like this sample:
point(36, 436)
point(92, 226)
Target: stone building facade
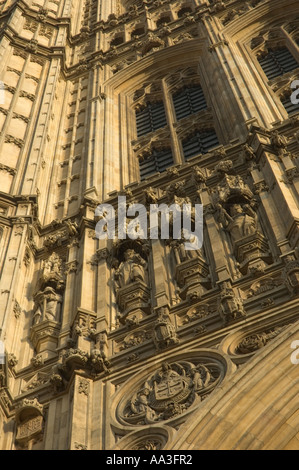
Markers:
point(140, 344)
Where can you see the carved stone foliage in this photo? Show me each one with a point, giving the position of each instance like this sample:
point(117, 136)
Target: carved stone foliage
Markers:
point(170, 390)
point(148, 444)
point(198, 312)
point(241, 344)
point(135, 339)
point(254, 342)
point(262, 286)
point(152, 438)
point(93, 363)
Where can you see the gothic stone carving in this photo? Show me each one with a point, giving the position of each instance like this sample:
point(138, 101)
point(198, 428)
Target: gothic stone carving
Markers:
point(164, 333)
point(29, 417)
point(236, 213)
point(170, 391)
point(131, 286)
point(230, 306)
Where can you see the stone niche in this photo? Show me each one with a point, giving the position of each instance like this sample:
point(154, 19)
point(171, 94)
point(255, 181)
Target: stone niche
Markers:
point(131, 281)
point(30, 423)
point(237, 213)
point(48, 300)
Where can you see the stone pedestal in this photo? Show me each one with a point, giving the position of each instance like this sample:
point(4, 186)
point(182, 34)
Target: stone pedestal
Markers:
point(133, 302)
point(252, 253)
point(193, 278)
point(44, 337)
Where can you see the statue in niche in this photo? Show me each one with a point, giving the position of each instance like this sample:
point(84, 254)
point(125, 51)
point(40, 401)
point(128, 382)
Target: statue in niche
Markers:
point(132, 269)
point(47, 306)
point(52, 265)
point(240, 222)
point(180, 252)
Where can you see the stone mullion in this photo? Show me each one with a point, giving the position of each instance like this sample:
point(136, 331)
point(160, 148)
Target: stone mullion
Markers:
point(80, 429)
point(107, 7)
point(72, 152)
point(5, 54)
point(39, 139)
point(10, 273)
point(288, 205)
point(159, 269)
point(109, 181)
point(92, 164)
point(222, 268)
point(65, 8)
point(123, 122)
point(177, 158)
point(69, 307)
point(105, 298)
point(294, 48)
point(47, 210)
point(87, 276)
point(216, 84)
point(14, 99)
point(274, 220)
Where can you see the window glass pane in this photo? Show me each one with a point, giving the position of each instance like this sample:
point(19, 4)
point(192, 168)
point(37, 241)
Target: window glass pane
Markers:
point(189, 101)
point(289, 106)
point(278, 62)
point(150, 118)
point(200, 142)
point(158, 161)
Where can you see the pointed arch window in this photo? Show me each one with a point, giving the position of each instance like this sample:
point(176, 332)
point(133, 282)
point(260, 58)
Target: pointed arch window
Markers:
point(199, 142)
point(277, 62)
point(157, 161)
point(189, 100)
point(151, 118)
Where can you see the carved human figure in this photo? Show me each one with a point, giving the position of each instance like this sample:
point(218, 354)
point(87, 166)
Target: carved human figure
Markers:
point(200, 377)
point(241, 223)
point(52, 265)
point(47, 306)
point(140, 403)
point(132, 269)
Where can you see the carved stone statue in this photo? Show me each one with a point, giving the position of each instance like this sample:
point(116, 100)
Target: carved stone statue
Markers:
point(47, 306)
point(241, 222)
point(132, 269)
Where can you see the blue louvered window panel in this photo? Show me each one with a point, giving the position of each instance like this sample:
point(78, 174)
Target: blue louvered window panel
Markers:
point(150, 118)
point(200, 142)
point(289, 106)
point(278, 62)
point(158, 161)
point(189, 101)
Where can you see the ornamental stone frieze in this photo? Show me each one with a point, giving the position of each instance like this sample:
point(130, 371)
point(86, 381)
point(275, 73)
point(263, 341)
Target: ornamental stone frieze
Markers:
point(246, 341)
point(168, 392)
